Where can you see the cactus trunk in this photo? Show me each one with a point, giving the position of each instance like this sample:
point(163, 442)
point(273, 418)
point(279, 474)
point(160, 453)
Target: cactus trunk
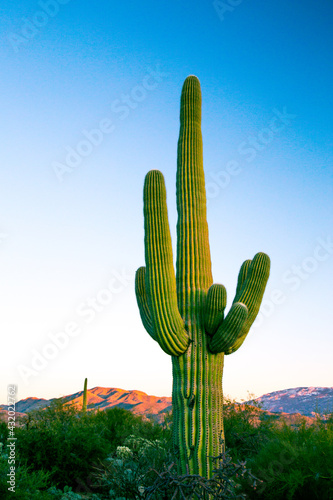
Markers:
point(197, 400)
point(184, 311)
point(197, 404)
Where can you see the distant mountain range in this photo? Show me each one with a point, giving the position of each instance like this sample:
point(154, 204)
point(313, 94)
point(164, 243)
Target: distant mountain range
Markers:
point(306, 401)
point(103, 398)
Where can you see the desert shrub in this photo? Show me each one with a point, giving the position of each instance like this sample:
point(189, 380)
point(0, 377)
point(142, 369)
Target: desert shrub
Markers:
point(3, 431)
point(62, 441)
point(125, 473)
point(27, 482)
point(143, 469)
point(67, 444)
point(227, 482)
point(246, 431)
point(146, 469)
point(297, 463)
point(118, 424)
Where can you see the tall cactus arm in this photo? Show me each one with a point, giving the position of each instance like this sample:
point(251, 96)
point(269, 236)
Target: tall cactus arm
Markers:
point(160, 281)
point(142, 300)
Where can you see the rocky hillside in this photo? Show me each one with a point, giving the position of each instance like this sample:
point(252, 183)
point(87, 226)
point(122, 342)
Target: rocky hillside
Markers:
point(304, 400)
point(104, 397)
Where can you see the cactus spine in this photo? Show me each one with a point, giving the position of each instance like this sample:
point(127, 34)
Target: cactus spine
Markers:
point(84, 399)
point(184, 312)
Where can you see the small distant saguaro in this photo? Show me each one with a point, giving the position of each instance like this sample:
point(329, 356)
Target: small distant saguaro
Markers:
point(84, 399)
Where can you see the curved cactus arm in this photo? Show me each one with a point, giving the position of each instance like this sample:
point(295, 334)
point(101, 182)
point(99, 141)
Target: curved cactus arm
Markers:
point(142, 300)
point(215, 304)
point(169, 330)
point(251, 293)
point(216, 301)
point(228, 332)
point(236, 345)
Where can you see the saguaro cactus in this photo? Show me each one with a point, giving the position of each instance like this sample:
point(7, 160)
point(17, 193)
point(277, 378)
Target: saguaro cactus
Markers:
point(84, 397)
point(184, 312)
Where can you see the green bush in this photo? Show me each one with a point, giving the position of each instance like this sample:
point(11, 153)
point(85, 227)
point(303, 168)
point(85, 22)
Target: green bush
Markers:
point(297, 463)
point(144, 469)
point(64, 442)
point(293, 462)
point(27, 481)
point(3, 431)
point(125, 473)
point(118, 424)
point(67, 444)
point(246, 431)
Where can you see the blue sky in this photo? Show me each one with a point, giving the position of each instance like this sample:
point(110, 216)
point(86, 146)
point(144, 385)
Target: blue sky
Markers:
point(90, 102)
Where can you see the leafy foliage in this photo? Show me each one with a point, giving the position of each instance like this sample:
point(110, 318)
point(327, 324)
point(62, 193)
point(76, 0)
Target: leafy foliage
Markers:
point(297, 463)
point(63, 442)
point(68, 443)
point(27, 481)
point(246, 429)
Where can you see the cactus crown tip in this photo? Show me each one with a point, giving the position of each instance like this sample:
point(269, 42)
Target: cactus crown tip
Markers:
point(154, 175)
point(191, 80)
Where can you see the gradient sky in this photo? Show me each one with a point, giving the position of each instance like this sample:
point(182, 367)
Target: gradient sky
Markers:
point(89, 103)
